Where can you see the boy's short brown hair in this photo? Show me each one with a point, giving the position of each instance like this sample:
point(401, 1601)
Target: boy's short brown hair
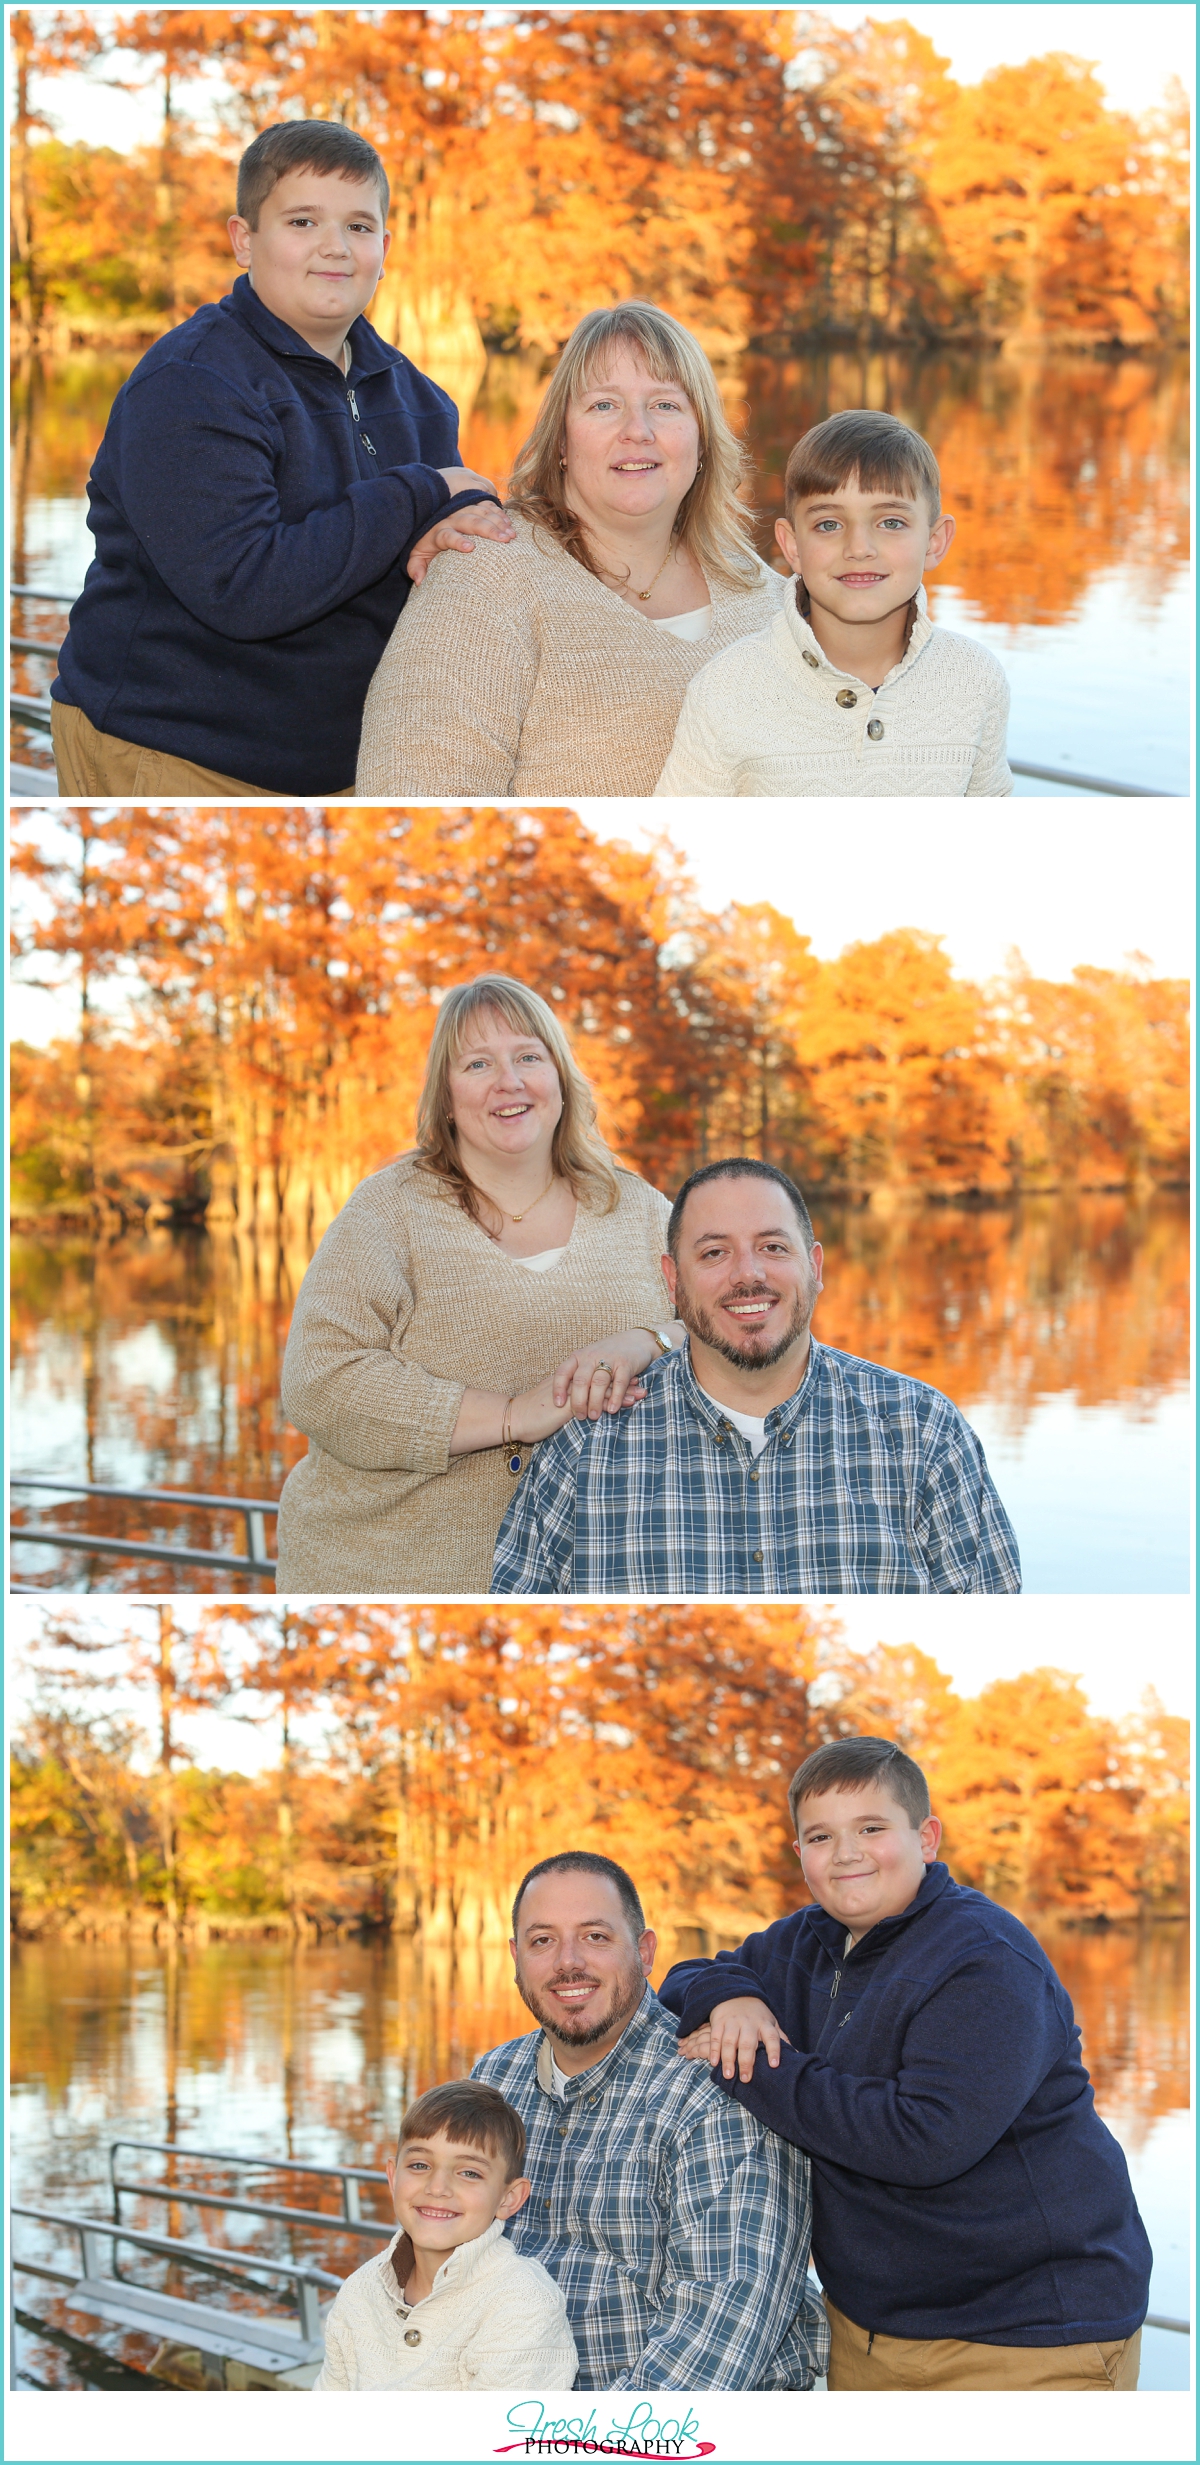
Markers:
point(879, 449)
point(473, 2113)
point(853, 1763)
point(304, 145)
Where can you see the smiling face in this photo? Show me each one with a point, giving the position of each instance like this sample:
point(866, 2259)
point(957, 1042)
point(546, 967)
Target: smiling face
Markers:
point(580, 1969)
point(744, 1283)
point(317, 255)
point(631, 444)
point(504, 1093)
point(444, 2192)
point(861, 552)
point(862, 1858)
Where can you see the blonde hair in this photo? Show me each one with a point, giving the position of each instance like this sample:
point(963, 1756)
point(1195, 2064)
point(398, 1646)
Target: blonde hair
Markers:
point(577, 1152)
point(711, 520)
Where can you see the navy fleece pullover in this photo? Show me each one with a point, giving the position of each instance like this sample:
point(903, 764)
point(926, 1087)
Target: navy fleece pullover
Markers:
point(254, 510)
point(963, 2182)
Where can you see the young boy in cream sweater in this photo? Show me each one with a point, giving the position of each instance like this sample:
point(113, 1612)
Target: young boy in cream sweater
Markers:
point(449, 2304)
point(851, 690)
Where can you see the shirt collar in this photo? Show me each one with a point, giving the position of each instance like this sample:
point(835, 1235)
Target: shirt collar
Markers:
point(781, 1418)
point(596, 2073)
point(814, 658)
point(831, 1931)
point(367, 352)
point(455, 2269)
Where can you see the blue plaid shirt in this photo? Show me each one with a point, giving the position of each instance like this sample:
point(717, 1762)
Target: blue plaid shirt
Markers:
point(677, 2228)
point(869, 1482)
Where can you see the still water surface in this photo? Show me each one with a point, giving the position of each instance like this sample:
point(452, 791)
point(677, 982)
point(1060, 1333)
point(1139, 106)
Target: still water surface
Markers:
point(1067, 478)
point(313, 2052)
point(1060, 1325)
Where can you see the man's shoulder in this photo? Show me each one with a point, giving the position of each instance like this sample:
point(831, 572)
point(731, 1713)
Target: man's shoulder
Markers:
point(872, 1382)
point(512, 2060)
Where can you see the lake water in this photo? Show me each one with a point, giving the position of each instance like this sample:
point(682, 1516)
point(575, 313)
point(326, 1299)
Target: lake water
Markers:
point(1060, 1325)
point(1068, 479)
point(313, 2051)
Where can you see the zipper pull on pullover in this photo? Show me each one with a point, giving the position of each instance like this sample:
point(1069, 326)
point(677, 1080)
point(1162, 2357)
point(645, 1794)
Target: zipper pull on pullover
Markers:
point(358, 423)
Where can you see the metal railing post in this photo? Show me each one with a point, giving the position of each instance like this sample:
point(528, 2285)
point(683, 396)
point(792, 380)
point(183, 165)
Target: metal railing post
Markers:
point(308, 2306)
point(351, 2208)
point(89, 2245)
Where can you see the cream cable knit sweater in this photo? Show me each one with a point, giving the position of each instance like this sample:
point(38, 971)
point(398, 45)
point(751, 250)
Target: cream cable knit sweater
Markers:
point(513, 671)
point(492, 2321)
point(406, 1304)
point(772, 717)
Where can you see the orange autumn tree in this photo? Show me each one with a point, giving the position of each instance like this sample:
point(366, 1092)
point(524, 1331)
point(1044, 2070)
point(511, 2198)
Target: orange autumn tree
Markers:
point(759, 171)
point(456, 1745)
point(290, 962)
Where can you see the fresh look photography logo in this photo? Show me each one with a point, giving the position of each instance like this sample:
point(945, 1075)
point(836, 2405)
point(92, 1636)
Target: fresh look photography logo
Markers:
point(641, 2433)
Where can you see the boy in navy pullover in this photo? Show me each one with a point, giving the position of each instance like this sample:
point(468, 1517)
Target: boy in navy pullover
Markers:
point(973, 2219)
point(267, 473)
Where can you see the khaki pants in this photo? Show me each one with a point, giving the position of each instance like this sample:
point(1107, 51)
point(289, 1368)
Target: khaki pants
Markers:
point(859, 2361)
point(91, 764)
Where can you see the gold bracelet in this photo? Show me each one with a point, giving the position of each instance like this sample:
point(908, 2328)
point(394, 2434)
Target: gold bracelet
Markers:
point(511, 1446)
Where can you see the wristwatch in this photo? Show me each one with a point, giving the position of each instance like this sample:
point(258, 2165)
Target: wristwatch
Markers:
point(659, 1338)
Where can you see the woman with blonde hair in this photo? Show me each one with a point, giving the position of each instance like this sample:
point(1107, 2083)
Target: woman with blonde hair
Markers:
point(556, 665)
point(501, 1279)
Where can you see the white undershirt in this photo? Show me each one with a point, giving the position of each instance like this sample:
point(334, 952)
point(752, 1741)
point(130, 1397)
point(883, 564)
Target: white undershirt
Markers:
point(754, 1432)
point(694, 625)
point(558, 2078)
point(542, 1259)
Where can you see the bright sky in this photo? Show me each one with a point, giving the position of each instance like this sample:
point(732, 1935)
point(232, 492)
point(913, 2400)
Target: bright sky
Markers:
point(1062, 893)
point(1136, 49)
point(1116, 1647)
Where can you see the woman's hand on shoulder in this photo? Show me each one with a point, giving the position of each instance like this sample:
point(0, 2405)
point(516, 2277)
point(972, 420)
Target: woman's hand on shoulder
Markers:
point(602, 1377)
point(605, 1376)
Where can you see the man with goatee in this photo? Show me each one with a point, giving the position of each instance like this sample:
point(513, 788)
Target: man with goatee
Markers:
point(676, 2227)
point(758, 1462)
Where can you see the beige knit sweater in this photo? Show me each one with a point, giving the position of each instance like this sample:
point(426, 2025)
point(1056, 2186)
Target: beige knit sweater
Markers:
point(774, 717)
point(513, 671)
point(493, 2320)
point(406, 1304)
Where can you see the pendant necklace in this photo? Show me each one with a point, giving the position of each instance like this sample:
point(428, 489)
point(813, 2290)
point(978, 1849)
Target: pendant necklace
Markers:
point(536, 1202)
point(661, 571)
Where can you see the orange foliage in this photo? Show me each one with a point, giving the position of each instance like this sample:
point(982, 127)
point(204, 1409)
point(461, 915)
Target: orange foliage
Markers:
point(467, 1742)
point(294, 959)
point(758, 172)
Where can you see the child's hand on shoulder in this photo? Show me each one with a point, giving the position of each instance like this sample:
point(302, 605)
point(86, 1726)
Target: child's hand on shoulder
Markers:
point(460, 530)
point(732, 2035)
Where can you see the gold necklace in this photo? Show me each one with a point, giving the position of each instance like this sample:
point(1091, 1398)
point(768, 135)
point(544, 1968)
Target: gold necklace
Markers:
point(661, 571)
point(534, 1202)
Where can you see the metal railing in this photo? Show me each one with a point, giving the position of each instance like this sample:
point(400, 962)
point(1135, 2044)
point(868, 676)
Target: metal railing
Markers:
point(349, 2177)
point(1083, 779)
point(303, 2277)
point(254, 1560)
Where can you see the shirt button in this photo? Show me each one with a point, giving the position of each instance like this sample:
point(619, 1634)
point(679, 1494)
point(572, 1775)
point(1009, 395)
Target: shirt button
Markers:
point(758, 1557)
point(545, 2203)
point(562, 2131)
point(810, 659)
point(412, 2336)
point(754, 1476)
point(847, 701)
point(874, 730)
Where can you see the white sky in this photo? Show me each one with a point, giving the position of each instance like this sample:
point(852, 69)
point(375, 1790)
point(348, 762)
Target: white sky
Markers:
point(1116, 1647)
point(1135, 48)
point(1063, 893)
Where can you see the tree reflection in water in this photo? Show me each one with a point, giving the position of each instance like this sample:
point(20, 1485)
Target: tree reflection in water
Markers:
point(155, 1361)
